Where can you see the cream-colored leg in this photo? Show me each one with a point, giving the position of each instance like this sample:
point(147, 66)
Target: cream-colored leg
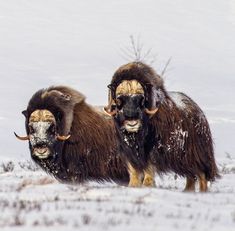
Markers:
point(149, 175)
point(202, 183)
point(135, 177)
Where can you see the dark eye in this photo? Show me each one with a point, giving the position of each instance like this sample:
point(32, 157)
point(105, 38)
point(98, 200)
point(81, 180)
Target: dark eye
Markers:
point(118, 102)
point(142, 100)
point(31, 129)
point(52, 128)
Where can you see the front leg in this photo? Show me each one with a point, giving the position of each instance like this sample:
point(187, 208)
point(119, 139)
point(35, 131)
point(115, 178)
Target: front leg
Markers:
point(135, 177)
point(203, 183)
point(149, 175)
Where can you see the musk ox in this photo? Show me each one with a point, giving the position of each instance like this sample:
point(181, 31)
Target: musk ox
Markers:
point(70, 139)
point(159, 131)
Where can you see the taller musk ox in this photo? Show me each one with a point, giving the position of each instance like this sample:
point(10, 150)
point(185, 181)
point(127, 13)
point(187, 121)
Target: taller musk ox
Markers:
point(70, 139)
point(159, 130)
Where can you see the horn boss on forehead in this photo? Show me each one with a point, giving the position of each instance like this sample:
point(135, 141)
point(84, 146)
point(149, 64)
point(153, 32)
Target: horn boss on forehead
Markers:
point(42, 115)
point(129, 87)
point(126, 87)
point(46, 116)
point(132, 87)
point(36, 116)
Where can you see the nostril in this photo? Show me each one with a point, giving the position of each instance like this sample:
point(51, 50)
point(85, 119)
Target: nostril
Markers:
point(41, 145)
point(128, 117)
point(133, 116)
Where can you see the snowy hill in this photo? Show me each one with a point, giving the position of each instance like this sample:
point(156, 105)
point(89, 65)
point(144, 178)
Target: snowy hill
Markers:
point(80, 43)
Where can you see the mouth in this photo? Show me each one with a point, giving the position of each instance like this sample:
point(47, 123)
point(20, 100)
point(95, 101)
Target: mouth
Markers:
point(41, 152)
point(132, 125)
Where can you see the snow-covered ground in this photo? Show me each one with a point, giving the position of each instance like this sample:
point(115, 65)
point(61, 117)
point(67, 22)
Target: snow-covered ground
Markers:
point(80, 44)
point(29, 199)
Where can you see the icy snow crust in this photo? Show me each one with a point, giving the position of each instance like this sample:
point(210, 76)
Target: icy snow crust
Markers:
point(29, 199)
point(80, 43)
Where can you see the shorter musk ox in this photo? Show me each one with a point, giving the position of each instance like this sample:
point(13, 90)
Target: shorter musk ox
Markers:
point(71, 140)
point(159, 130)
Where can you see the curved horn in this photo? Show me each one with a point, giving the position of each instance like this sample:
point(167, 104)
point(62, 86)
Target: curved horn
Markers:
point(21, 137)
point(108, 110)
point(62, 138)
point(151, 112)
point(109, 113)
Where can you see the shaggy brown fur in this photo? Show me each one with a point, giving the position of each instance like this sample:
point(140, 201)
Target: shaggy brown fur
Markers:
point(177, 138)
point(90, 152)
point(183, 138)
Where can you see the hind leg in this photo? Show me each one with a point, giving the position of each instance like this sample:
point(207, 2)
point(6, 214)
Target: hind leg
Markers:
point(190, 184)
point(149, 174)
point(135, 177)
point(202, 182)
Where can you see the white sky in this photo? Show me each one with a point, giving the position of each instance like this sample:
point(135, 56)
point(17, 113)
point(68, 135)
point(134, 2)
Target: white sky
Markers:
point(78, 43)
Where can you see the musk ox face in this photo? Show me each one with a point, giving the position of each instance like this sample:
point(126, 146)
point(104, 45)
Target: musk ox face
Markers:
point(43, 138)
point(42, 133)
point(129, 106)
point(130, 111)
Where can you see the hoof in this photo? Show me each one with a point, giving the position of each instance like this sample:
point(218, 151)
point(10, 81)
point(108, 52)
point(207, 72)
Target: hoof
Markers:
point(189, 190)
point(134, 184)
